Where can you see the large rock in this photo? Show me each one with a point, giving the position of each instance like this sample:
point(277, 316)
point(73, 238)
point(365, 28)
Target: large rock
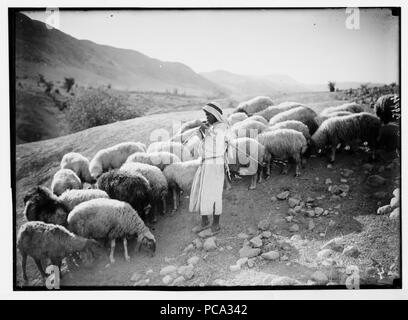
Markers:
point(193, 260)
point(197, 243)
point(328, 181)
point(189, 248)
point(205, 233)
point(266, 234)
point(263, 225)
point(210, 244)
point(293, 202)
point(318, 211)
point(334, 189)
point(319, 277)
point(376, 181)
point(168, 270)
point(271, 255)
point(283, 195)
point(256, 242)
point(294, 228)
point(249, 252)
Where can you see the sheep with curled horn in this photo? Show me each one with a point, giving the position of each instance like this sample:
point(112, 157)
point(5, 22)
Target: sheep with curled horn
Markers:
point(362, 126)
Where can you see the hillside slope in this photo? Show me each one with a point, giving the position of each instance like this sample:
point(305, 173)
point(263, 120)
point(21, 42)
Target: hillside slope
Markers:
point(57, 55)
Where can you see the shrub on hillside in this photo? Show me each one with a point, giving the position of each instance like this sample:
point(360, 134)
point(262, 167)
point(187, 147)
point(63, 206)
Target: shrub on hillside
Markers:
point(98, 107)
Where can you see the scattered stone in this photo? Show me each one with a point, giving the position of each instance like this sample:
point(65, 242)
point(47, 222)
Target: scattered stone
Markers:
point(266, 234)
point(271, 255)
point(283, 195)
point(219, 282)
point(249, 252)
point(310, 199)
point(344, 188)
point(325, 253)
point(183, 269)
point(291, 212)
point(284, 258)
point(375, 181)
point(142, 282)
point(289, 218)
point(193, 260)
point(297, 209)
point(384, 209)
point(205, 233)
point(251, 262)
point(320, 278)
point(136, 277)
point(273, 199)
point(337, 206)
point(263, 225)
point(294, 228)
point(150, 271)
point(189, 248)
point(317, 179)
point(189, 274)
point(334, 198)
point(332, 223)
point(296, 237)
point(342, 180)
point(284, 281)
point(320, 197)
point(328, 181)
point(351, 251)
point(310, 283)
point(343, 194)
point(334, 244)
point(293, 202)
point(395, 214)
point(221, 249)
point(210, 244)
point(336, 213)
point(235, 268)
point(318, 211)
point(198, 243)
point(251, 230)
point(322, 234)
point(328, 262)
point(178, 281)
point(325, 212)
point(167, 279)
point(329, 166)
point(256, 242)
point(168, 270)
point(229, 247)
point(368, 167)
point(311, 225)
point(334, 189)
point(242, 235)
point(240, 262)
point(310, 213)
point(347, 173)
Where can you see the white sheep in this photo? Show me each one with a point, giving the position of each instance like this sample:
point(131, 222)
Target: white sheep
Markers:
point(79, 164)
point(363, 126)
point(258, 118)
point(272, 111)
point(173, 147)
point(292, 124)
point(248, 128)
point(157, 181)
point(160, 159)
point(236, 117)
point(180, 177)
point(113, 157)
point(254, 105)
point(324, 116)
point(65, 179)
point(303, 114)
point(109, 219)
point(349, 107)
point(72, 198)
point(283, 144)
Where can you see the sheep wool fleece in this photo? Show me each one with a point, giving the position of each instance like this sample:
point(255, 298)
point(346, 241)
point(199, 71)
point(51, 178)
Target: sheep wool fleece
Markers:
point(207, 187)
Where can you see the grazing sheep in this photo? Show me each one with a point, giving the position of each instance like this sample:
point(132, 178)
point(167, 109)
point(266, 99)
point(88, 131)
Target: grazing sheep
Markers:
point(72, 198)
point(65, 179)
point(245, 157)
point(321, 117)
point(363, 126)
point(303, 114)
point(254, 105)
point(109, 219)
point(113, 157)
point(157, 181)
point(272, 111)
point(42, 205)
point(190, 125)
point(385, 108)
point(41, 240)
point(389, 137)
point(236, 117)
point(349, 107)
point(180, 177)
point(292, 124)
point(79, 164)
point(283, 144)
point(173, 147)
point(159, 159)
point(258, 118)
point(247, 128)
point(132, 188)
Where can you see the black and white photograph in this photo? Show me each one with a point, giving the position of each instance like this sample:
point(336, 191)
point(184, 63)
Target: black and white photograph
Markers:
point(205, 148)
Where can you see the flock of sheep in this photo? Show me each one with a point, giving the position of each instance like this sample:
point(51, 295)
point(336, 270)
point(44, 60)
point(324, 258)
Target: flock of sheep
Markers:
point(132, 183)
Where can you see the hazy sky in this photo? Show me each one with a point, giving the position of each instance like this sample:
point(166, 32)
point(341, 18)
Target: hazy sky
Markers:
point(312, 46)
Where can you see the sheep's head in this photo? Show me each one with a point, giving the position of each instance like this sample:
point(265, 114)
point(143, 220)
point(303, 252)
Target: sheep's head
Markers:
point(92, 251)
point(96, 171)
point(148, 242)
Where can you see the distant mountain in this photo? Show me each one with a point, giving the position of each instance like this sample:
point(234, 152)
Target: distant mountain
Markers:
point(57, 55)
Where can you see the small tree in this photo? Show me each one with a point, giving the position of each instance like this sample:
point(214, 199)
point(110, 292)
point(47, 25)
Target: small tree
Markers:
point(69, 82)
point(332, 86)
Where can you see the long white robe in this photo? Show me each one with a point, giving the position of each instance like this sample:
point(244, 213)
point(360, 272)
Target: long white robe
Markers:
point(206, 191)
